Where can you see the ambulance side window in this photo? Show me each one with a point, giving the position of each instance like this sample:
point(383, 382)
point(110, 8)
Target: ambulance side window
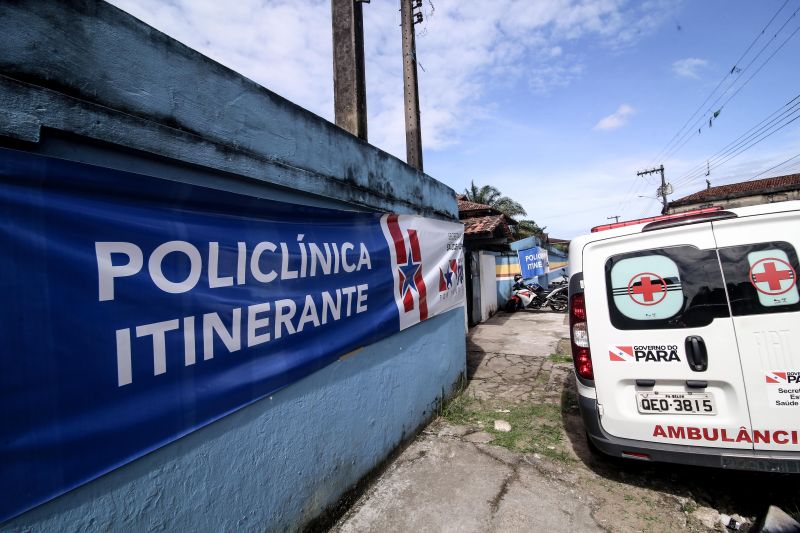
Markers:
point(761, 278)
point(677, 287)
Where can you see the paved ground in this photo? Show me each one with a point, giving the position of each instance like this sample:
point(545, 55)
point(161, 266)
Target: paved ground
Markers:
point(464, 474)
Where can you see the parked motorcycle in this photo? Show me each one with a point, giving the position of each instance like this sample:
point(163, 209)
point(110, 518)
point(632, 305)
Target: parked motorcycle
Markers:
point(534, 296)
point(563, 281)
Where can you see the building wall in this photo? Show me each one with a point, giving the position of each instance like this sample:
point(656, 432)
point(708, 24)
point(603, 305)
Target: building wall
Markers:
point(488, 285)
point(279, 463)
point(507, 265)
point(84, 81)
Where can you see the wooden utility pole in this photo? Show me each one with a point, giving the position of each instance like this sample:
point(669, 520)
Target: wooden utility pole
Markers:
point(349, 82)
point(662, 191)
point(411, 89)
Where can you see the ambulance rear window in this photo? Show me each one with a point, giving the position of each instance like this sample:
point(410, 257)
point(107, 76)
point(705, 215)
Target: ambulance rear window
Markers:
point(761, 278)
point(678, 287)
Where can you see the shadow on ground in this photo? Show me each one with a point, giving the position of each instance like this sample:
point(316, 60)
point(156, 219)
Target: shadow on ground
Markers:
point(728, 491)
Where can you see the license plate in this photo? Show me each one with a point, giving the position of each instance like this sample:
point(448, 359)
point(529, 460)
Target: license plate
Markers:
point(676, 403)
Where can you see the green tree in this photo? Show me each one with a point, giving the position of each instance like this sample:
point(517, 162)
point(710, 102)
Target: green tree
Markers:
point(489, 195)
point(526, 228)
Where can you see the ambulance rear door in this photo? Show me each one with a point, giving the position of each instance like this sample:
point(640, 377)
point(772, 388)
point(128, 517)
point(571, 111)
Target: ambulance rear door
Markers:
point(760, 263)
point(666, 364)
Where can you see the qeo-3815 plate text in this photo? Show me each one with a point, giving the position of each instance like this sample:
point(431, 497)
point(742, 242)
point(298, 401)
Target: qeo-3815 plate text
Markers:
point(678, 403)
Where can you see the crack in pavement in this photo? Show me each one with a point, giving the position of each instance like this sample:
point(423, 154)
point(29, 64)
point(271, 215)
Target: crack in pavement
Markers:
point(498, 498)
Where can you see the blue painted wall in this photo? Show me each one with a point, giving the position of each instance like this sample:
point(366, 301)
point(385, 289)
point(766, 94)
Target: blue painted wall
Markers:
point(278, 463)
point(84, 81)
point(508, 265)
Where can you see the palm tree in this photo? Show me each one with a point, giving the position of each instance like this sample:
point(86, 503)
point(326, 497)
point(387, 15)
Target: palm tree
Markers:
point(491, 196)
point(526, 228)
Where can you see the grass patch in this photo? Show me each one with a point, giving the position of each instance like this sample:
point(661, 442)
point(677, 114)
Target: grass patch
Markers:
point(560, 358)
point(459, 409)
point(535, 427)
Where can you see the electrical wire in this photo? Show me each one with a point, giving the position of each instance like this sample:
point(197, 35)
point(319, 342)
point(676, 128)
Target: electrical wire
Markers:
point(721, 81)
point(690, 133)
point(788, 110)
point(773, 168)
point(770, 119)
point(683, 138)
point(738, 153)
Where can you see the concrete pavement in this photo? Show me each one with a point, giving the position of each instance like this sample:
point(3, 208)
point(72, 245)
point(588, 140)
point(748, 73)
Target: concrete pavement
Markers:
point(451, 479)
point(463, 473)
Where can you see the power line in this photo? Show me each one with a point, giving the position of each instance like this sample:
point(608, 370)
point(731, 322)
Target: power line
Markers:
point(690, 133)
point(785, 111)
point(736, 154)
point(721, 81)
point(773, 168)
point(765, 62)
point(663, 191)
point(769, 119)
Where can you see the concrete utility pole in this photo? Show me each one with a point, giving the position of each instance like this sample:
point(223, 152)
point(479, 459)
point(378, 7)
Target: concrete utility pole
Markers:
point(411, 89)
point(349, 83)
point(662, 191)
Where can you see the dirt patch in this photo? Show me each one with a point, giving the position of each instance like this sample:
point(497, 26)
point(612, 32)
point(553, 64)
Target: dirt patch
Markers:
point(509, 453)
point(546, 429)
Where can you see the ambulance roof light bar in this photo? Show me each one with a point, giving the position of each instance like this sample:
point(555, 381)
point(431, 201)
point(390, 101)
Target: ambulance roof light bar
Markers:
point(677, 217)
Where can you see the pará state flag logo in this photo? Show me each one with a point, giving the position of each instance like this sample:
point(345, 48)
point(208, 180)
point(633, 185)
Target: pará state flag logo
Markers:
point(783, 377)
point(426, 256)
point(621, 353)
point(451, 276)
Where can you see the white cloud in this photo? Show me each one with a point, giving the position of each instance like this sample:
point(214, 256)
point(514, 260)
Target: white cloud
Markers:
point(689, 67)
point(469, 52)
point(615, 120)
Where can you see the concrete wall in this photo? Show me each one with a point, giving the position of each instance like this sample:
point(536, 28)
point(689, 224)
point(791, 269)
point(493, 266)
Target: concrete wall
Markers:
point(488, 285)
point(507, 264)
point(84, 81)
point(280, 462)
point(86, 67)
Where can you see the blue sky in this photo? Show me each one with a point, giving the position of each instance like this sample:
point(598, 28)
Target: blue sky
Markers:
point(557, 103)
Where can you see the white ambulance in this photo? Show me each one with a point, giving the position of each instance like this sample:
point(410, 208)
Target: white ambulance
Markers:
point(685, 336)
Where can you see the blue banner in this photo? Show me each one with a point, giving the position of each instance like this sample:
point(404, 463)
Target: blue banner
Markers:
point(136, 310)
point(533, 262)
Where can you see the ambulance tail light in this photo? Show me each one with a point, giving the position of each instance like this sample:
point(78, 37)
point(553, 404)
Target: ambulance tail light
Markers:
point(579, 333)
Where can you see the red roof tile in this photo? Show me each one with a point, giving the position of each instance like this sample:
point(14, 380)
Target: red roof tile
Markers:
point(466, 205)
point(745, 188)
point(486, 225)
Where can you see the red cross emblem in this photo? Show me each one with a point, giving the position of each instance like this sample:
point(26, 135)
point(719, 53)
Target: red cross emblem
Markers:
point(772, 276)
point(647, 288)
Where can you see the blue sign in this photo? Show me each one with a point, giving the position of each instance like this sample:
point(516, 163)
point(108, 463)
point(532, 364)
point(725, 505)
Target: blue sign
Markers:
point(136, 310)
point(533, 262)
